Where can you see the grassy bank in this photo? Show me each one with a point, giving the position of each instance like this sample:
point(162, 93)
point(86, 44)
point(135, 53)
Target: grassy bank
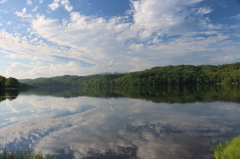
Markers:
point(228, 150)
point(23, 154)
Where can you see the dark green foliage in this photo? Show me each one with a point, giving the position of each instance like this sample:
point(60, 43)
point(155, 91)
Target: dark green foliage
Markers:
point(8, 82)
point(2, 82)
point(11, 83)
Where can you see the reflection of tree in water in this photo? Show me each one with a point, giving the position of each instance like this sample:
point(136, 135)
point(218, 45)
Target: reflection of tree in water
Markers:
point(2, 96)
point(164, 94)
point(9, 94)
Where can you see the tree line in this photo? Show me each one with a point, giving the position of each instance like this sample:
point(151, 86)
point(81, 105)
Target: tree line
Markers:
point(156, 76)
point(8, 82)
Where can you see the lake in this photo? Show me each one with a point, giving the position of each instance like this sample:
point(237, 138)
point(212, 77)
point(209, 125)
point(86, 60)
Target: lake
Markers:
point(174, 122)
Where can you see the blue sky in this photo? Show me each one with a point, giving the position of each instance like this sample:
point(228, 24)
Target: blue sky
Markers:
point(45, 38)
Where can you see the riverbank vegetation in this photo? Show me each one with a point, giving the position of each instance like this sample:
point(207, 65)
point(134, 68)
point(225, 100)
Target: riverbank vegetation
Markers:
point(228, 150)
point(156, 76)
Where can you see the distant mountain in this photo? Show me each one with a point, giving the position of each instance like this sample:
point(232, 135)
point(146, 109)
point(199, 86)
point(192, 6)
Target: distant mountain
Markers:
point(106, 73)
point(45, 82)
point(24, 80)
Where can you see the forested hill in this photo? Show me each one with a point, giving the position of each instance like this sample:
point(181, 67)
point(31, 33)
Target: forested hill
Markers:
point(167, 75)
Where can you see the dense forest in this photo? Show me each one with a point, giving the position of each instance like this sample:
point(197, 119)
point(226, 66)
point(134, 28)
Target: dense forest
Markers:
point(156, 76)
point(8, 82)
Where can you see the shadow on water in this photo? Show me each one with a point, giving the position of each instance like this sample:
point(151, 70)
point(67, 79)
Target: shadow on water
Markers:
point(164, 94)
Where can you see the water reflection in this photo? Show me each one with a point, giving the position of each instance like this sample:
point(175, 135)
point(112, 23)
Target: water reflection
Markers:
point(85, 126)
point(168, 94)
point(8, 94)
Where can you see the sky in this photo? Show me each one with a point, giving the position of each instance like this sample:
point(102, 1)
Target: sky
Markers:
point(46, 38)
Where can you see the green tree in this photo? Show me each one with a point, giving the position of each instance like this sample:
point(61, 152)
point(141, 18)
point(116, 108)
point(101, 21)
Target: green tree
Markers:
point(2, 81)
point(228, 80)
point(11, 83)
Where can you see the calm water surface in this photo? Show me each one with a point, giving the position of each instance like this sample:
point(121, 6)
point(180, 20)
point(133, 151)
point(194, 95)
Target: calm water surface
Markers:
point(121, 123)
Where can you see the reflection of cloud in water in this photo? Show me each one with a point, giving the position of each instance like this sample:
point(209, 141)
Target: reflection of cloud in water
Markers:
point(123, 127)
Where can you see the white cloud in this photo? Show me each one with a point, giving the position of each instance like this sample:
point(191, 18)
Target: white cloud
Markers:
point(29, 2)
point(235, 17)
point(161, 17)
point(53, 6)
point(67, 5)
point(40, 1)
point(64, 2)
point(35, 9)
point(68, 8)
point(204, 10)
point(23, 14)
point(0, 24)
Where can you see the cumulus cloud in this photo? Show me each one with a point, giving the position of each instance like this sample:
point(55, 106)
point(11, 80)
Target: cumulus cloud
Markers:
point(23, 14)
point(67, 5)
point(53, 6)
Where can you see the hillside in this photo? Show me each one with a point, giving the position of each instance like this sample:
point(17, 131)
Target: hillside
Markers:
point(167, 75)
